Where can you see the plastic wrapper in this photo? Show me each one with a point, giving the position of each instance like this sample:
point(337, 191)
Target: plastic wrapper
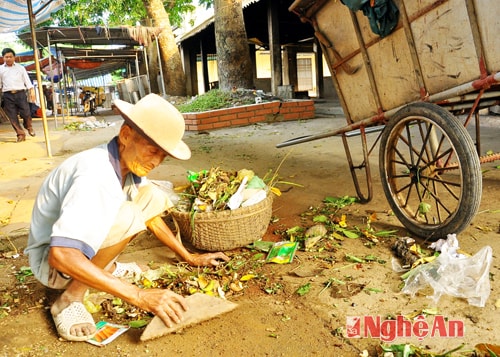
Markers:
point(106, 333)
point(454, 274)
point(168, 188)
point(282, 252)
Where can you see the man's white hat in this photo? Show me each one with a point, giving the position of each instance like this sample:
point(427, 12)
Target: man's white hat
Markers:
point(157, 120)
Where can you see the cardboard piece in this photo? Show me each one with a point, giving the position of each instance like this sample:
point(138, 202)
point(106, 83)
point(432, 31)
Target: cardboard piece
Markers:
point(201, 307)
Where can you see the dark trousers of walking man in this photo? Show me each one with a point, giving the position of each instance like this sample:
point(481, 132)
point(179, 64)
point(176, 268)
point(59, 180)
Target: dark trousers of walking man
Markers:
point(16, 102)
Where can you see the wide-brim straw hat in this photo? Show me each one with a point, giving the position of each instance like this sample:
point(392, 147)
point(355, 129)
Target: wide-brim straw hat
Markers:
point(157, 120)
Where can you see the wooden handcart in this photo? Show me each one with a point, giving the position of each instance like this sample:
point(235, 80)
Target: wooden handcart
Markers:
point(441, 59)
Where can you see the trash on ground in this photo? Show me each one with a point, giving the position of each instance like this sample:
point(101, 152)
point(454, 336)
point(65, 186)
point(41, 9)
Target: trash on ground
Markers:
point(87, 125)
point(106, 332)
point(409, 254)
point(410, 350)
point(314, 234)
point(282, 252)
point(489, 350)
point(304, 289)
point(262, 245)
point(454, 273)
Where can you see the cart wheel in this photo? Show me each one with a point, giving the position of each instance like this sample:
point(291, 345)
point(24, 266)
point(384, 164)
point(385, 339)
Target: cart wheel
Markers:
point(430, 171)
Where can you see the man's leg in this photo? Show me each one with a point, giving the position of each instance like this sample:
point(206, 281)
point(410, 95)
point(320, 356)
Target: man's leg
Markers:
point(25, 112)
point(10, 108)
point(129, 222)
point(75, 291)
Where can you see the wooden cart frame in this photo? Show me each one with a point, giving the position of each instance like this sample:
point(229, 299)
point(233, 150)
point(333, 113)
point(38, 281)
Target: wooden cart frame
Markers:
point(442, 59)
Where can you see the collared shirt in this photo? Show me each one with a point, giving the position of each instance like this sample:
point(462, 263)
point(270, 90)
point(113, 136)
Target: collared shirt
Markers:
point(14, 77)
point(78, 203)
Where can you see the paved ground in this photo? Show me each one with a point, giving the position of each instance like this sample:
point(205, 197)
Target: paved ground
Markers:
point(321, 168)
point(24, 165)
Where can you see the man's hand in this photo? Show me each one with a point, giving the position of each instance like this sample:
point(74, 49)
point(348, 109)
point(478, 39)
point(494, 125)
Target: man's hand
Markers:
point(158, 227)
point(207, 259)
point(32, 96)
point(165, 304)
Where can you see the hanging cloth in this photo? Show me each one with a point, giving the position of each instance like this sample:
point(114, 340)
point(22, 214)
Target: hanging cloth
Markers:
point(382, 14)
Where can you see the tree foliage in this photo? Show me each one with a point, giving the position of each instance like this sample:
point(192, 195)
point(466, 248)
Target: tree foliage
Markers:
point(116, 13)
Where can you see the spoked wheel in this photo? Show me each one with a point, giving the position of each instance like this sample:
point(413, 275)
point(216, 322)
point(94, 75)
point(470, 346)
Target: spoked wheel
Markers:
point(430, 171)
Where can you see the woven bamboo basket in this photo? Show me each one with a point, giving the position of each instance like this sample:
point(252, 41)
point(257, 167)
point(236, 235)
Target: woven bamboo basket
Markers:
point(225, 230)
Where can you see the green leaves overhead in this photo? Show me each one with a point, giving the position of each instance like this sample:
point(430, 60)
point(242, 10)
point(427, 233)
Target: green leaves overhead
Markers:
point(115, 13)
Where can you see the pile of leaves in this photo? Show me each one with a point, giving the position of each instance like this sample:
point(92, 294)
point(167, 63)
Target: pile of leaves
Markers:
point(210, 190)
point(226, 280)
point(328, 225)
point(88, 125)
point(247, 266)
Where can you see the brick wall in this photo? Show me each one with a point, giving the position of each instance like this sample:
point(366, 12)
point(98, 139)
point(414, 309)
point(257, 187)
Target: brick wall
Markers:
point(249, 114)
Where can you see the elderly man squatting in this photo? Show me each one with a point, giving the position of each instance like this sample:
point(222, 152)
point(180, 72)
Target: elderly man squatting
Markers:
point(90, 207)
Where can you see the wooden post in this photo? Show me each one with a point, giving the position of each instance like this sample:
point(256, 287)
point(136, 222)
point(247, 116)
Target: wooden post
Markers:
point(274, 46)
point(320, 86)
point(204, 67)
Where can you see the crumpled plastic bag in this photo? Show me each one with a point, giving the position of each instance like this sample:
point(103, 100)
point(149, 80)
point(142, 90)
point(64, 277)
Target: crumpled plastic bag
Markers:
point(454, 274)
point(168, 188)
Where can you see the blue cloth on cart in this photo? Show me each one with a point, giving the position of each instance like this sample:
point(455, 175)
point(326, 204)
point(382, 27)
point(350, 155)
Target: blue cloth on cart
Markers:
point(383, 15)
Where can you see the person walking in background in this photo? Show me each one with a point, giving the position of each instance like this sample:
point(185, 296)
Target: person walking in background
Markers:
point(14, 81)
point(47, 92)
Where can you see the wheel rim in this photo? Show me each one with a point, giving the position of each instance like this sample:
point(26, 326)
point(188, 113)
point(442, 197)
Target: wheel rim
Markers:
point(423, 172)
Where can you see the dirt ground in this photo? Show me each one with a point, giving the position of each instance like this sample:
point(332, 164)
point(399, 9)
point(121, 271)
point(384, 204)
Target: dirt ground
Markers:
point(271, 319)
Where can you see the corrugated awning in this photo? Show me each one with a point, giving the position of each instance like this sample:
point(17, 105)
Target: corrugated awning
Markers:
point(87, 36)
point(14, 13)
point(104, 49)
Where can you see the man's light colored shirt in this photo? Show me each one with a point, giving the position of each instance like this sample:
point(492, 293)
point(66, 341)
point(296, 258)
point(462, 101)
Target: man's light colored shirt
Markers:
point(14, 77)
point(77, 205)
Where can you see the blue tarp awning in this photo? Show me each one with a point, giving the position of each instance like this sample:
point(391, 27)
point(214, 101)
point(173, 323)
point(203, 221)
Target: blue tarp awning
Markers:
point(14, 13)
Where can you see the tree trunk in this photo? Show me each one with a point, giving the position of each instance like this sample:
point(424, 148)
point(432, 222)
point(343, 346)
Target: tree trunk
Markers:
point(233, 55)
point(154, 69)
point(175, 80)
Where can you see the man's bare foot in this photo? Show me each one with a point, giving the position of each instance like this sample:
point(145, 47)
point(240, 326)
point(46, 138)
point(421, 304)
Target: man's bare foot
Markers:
point(73, 322)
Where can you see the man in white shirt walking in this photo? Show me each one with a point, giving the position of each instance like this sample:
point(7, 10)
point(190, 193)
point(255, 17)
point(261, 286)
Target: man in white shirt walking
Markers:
point(14, 81)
